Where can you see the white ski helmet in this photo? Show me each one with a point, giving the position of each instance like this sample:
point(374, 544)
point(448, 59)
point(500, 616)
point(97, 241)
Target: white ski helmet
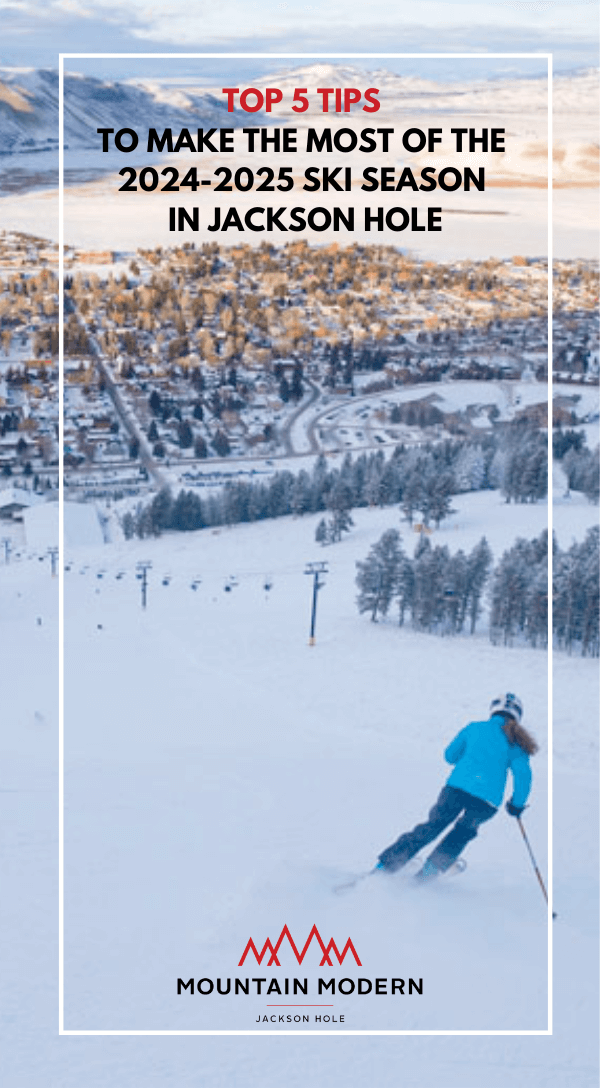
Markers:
point(508, 704)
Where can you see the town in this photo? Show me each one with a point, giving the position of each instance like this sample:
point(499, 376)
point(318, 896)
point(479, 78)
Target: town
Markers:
point(209, 361)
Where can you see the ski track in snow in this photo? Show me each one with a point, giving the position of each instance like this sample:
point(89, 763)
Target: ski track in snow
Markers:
point(222, 776)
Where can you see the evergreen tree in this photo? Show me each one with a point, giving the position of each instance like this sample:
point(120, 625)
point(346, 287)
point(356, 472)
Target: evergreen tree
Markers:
point(155, 402)
point(372, 488)
point(297, 386)
point(537, 606)
point(322, 532)
point(341, 522)
point(220, 444)
point(280, 491)
point(436, 500)
point(563, 441)
point(339, 503)
point(319, 483)
point(534, 480)
point(429, 596)
point(185, 435)
point(378, 575)
point(128, 525)
point(200, 447)
point(389, 490)
point(590, 593)
point(525, 477)
point(160, 511)
point(406, 588)
point(412, 492)
point(469, 469)
point(576, 608)
point(478, 571)
point(456, 591)
point(591, 481)
point(301, 494)
point(258, 507)
point(582, 469)
point(509, 592)
point(284, 389)
point(187, 512)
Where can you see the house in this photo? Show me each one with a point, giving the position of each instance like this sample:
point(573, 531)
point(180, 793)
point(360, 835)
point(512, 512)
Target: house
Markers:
point(14, 500)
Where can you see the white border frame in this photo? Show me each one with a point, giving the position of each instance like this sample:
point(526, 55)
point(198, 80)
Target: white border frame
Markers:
point(287, 56)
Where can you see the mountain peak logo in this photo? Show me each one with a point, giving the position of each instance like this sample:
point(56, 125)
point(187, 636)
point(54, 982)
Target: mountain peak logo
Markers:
point(273, 949)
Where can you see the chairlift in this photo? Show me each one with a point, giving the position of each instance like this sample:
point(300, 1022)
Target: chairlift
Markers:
point(194, 585)
point(119, 575)
point(166, 580)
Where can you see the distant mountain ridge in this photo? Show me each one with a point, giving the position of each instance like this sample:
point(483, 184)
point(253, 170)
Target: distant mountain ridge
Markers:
point(29, 117)
point(512, 93)
point(29, 109)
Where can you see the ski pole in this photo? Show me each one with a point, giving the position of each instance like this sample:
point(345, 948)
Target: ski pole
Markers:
point(533, 862)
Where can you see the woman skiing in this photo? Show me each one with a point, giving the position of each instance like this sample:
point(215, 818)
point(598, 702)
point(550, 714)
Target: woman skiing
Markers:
point(482, 754)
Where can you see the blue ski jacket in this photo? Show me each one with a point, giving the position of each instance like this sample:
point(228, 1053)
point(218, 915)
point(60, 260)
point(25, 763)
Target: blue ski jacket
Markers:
point(483, 756)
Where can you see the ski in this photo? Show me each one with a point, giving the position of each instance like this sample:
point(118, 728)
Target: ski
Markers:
point(412, 868)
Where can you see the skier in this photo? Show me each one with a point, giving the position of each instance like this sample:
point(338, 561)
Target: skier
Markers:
point(483, 752)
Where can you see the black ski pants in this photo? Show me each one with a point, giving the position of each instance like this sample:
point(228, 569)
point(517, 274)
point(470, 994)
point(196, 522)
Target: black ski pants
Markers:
point(451, 803)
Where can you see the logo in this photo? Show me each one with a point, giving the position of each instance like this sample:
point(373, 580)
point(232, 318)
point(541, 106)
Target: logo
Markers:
point(273, 949)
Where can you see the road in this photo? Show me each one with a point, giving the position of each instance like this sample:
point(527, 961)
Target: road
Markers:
point(127, 419)
point(300, 437)
point(285, 434)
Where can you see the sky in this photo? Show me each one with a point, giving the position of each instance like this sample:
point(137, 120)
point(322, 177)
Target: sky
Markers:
point(33, 32)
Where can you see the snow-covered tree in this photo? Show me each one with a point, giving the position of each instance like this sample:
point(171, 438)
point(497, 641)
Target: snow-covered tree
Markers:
point(478, 570)
point(322, 532)
point(378, 575)
point(469, 469)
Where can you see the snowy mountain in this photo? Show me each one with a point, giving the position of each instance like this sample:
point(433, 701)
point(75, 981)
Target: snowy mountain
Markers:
point(29, 109)
point(575, 91)
point(398, 92)
point(519, 104)
point(29, 100)
point(29, 114)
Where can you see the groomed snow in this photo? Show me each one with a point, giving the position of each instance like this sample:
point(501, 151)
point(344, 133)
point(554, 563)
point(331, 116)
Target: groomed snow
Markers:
point(81, 525)
point(221, 776)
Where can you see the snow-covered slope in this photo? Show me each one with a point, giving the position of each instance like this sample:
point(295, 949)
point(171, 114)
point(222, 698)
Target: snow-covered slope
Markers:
point(29, 109)
point(221, 775)
point(574, 91)
point(520, 105)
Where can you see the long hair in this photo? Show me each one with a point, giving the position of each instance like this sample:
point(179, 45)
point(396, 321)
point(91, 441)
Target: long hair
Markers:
point(517, 734)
